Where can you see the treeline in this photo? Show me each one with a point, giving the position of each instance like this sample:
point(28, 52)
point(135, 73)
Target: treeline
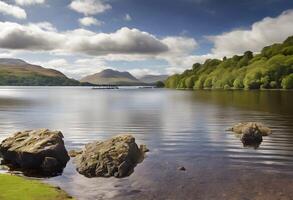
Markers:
point(37, 80)
point(270, 69)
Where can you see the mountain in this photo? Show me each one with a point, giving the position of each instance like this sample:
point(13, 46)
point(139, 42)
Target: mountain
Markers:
point(153, 78)
point(272, 68)
point(20, 73)
point(112, 77)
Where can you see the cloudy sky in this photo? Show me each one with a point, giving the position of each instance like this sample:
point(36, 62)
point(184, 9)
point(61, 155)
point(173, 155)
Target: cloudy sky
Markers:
point(80, 37)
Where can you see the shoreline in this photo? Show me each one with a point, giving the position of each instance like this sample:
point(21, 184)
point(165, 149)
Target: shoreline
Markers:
point(12, 187)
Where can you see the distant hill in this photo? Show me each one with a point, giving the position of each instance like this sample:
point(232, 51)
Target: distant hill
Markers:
point(272, 68)
point(153, 78)
point(112, 77)
point(20, 73)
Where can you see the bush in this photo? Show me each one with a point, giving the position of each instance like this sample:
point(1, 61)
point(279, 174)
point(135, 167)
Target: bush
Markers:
point(287, 82)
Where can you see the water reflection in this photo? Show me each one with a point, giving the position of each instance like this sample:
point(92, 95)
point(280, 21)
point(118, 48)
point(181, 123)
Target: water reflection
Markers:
point(181, 128)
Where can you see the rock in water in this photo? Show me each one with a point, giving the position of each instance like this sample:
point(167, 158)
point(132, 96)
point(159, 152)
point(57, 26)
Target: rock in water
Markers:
point(38, 152)
point(243, 127)
point(251, 137)
point(251, 133)
point(114, 157)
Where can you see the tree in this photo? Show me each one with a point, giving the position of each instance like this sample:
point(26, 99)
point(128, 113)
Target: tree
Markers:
point(160, 84)
point(287, 82)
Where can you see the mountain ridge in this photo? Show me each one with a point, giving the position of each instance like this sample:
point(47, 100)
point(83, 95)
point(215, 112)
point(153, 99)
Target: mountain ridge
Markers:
point(16, 72)
point(112, 77)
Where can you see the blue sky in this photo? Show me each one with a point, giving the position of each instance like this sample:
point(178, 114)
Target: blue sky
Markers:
point(80, 37)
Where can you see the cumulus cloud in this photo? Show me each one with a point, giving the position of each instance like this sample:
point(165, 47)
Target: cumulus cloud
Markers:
point(88, 21)
point(43, 36)
point(29, 2)
point(12, 10)
point(28, 37)
point(180, 53)
point(89, 7)
point(123, 41)
point(265, 32)
point(127, 17)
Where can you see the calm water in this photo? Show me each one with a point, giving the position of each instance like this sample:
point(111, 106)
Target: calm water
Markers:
point(181, 128)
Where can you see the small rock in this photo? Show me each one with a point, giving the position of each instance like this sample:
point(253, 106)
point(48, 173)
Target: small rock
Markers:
point(181, 168)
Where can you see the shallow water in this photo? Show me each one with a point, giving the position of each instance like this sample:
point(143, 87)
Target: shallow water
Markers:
point(181, 128)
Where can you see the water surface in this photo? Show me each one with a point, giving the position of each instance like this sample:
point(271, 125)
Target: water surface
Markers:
point(181, 128)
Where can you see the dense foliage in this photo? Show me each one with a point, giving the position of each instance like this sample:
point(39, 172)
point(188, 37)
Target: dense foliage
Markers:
point(270, 69)
point(159, 84)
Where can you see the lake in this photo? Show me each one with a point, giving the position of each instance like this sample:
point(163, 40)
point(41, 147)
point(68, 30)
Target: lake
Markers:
point(181, 128)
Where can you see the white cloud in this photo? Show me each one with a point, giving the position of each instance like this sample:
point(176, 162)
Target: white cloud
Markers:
point(89, 7)
point(180, 45)
point(123, 41)
point(261, 33)
point(138, 72)
point(180, 52)
point(88, 21)
point(57, 63)
point(127, 17)
point(43, 36)
point(12, 10)
point(29, 2)
point(28, 37)
point(75, 69)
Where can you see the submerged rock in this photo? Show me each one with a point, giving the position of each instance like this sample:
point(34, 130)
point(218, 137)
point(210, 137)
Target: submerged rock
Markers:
point(37, 152)
point(251, 126)
point(251, 133)
point(181, 168)
point(114, 157)
point(251, 137)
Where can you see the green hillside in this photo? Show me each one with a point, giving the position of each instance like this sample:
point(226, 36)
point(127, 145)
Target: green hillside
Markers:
point(112, 77)
point(15, 72)
point(272, 68)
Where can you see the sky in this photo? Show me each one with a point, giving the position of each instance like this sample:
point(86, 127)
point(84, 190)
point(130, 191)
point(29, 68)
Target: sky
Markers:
point(82, 37)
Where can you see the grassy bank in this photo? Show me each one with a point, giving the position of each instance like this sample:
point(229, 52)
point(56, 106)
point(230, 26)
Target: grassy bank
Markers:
point(15, 188)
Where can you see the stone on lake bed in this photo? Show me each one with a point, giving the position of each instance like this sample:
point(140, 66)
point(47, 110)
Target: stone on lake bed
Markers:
point(181, 168)
point(114, 157)
point(35, 152)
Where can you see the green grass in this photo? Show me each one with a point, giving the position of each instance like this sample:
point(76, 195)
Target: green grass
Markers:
point(16, 188)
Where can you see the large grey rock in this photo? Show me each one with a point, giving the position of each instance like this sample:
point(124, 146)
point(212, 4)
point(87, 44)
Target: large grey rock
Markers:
point(114, 157)
point(38, 152)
